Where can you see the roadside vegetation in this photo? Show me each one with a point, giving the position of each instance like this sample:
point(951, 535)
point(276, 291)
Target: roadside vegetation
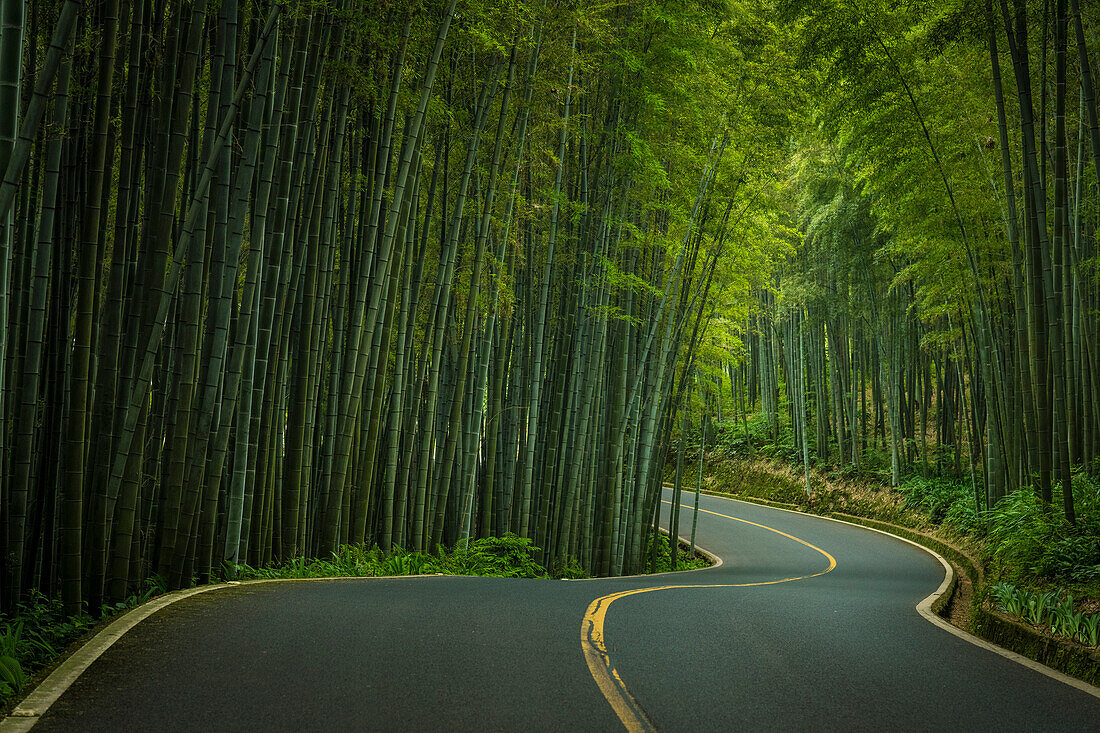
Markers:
point(1048, 612)
point(499, 557)
point(40, 631)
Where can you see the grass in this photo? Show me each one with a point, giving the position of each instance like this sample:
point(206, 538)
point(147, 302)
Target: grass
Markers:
point(509, 556)
point(684, 561)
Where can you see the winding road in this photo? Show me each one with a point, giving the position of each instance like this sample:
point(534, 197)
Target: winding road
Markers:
point(806, 625)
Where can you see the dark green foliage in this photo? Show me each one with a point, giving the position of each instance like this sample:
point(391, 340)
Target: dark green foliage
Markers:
point(755, 436)
point(38, 632)
point(1026, 539)
point(509, 556)
point(944, 500)
point(1049, 611)
point(570, 568)
point(663, 557)
point(12, 677)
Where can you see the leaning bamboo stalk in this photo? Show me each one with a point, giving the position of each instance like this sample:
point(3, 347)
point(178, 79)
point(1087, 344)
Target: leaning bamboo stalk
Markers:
point(37, 108)
point(149, 352)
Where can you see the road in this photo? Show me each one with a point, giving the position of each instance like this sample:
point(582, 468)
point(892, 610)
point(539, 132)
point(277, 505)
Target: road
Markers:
point(807, 625)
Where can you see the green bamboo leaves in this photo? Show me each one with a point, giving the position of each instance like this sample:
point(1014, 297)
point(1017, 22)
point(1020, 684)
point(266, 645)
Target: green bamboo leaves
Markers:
point(951, 271)
point(281, 277)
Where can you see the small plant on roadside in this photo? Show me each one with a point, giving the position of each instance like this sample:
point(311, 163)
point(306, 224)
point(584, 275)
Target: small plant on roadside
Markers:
point(1037, 604)
point(1008, 597)
point(570, 568)
point(663, 564)
point(1063, 619)
point(150, 587)
point(1089, 633)
point(34, 635)
point(408, 563)
point(1048, 611)
point(11, 672)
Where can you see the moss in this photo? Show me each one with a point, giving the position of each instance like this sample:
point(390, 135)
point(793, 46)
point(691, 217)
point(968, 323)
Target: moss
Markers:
point(1065, 656)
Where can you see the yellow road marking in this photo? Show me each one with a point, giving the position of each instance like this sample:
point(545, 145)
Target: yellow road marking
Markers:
point(832, 560)
point(598, 658)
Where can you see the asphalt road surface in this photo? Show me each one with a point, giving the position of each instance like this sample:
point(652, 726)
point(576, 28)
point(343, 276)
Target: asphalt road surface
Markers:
point(814, 629)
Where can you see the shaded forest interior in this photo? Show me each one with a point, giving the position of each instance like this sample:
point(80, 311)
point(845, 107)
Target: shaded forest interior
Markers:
point(277, 278)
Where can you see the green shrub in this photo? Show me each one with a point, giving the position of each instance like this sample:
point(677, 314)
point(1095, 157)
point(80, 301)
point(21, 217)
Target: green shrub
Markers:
point(12, 677)
point(570, 568)
point(1049, 611)
point(1090, 630)
point(1037, 606)
point(509, 556)
point(1008, 597)
point(33, 636)
point(1027, 538)
point(664, 557)
point(944, 500)
point(740, 438)
point(409, 563)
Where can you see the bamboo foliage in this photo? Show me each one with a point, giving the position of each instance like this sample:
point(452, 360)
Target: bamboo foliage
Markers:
point(300, 276)
point(947, 335)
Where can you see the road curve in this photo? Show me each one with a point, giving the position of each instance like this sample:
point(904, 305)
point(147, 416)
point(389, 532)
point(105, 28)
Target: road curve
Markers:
point(807, 624)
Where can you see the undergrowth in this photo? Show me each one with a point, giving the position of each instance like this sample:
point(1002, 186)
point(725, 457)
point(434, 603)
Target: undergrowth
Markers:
point(1049, 612)
point(39, 631)
point(509, 556)
point(663, 564)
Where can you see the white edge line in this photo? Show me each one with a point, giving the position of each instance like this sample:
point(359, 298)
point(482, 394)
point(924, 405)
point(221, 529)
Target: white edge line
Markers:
point(924, 608)
point(32, 707)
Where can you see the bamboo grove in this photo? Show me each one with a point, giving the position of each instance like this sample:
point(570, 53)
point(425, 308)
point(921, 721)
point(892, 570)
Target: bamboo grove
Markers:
point(279, 277)
point(944, 304)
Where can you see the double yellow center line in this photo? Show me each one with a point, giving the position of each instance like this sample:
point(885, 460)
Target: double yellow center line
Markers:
point(596, 655)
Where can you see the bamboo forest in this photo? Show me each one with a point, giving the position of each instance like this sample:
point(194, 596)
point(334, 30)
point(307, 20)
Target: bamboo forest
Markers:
point(280, 279)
